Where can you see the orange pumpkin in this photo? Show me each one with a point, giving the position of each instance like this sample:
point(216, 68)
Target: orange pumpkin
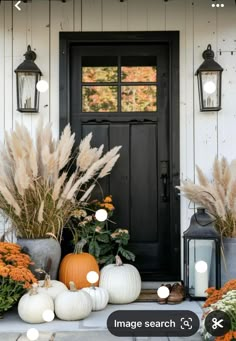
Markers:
point(75, 266)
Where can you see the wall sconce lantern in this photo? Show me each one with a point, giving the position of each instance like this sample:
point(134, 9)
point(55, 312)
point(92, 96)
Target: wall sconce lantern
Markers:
point(209, 76)
point(202, 246)
point(27, 76)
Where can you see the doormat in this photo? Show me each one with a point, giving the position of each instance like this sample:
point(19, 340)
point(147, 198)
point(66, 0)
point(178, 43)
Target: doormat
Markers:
point(147, 295)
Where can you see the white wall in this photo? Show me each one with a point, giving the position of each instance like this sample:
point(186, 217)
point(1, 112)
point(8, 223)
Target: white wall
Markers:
point(203, 135)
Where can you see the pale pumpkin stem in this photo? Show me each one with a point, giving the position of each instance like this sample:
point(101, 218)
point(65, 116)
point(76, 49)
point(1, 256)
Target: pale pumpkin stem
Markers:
point(47, 281)
point(34, 289)
point(79, 246)
point(118, 260)
point(72, 286)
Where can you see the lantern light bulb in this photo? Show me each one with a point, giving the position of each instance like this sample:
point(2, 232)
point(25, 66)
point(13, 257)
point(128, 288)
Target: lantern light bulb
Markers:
point(201, 266)
point(48, 315)
point(213, 5)
point(222, 5)
point(92, 277)
point(217, 5)
point(209, 87)
point(101, 214)
point(32, 334)
point(163, 292)
point(42, 86)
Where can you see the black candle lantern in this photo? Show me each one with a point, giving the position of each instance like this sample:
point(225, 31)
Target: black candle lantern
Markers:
point(202, 246)
point(209, 76)
point(27, 76)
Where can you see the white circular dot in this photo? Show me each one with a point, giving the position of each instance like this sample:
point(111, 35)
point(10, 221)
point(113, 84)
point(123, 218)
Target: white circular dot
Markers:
point(201, 266)
point(222, 5)
point(217, 5)
point(163, 292)
point(32, 334)
point(42, 86)
point(92, 277)
point(213, 5)
point(48, 315)
point(101, 215)
point(209, 87)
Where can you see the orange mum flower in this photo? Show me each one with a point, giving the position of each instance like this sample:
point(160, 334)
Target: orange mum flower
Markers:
point(231, 335)
point(215, 295)
point(15, 275)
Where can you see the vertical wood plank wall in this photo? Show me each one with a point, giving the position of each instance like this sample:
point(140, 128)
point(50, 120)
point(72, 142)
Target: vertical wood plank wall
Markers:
point(202, 135)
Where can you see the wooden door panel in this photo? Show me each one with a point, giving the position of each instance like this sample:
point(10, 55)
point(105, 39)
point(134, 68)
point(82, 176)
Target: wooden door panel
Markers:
point(147, 256)
point(143, 186)
point(120, 179)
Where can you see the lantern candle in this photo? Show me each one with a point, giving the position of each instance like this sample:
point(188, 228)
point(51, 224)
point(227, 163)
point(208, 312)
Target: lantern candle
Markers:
point(201, 278)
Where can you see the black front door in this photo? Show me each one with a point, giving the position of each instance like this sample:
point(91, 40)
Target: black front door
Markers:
point(121, 92)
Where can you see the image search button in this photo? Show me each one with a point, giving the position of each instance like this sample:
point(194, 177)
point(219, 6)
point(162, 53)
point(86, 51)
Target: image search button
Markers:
point(153, 323)
point(217, 323)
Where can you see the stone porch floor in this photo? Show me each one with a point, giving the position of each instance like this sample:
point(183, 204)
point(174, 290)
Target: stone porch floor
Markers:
point(93, 328)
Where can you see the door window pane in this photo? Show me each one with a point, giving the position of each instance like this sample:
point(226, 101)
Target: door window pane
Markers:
point(138, 98)
point(138, 74)
point(99, 74)
point(99, 98)
point(99, 69)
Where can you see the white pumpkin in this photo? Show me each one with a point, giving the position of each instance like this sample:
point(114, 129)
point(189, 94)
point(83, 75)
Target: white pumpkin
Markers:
point(33, 304)
point(99, 296)
point(73, 304)
point(51, 287)
point(122, 281)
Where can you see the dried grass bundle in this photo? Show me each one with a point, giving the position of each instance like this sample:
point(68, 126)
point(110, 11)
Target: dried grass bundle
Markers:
point(218, 195)
point(38, 191)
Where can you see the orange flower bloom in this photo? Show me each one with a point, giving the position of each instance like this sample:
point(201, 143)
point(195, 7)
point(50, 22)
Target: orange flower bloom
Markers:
point(108, 199)
point(15, 274)
point(215, 295)
point(109, 207)
point(231, 335)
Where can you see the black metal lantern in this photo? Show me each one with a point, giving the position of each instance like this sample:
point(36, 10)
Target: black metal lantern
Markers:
point(202, 245)
point(27, 76)
point(209, 76)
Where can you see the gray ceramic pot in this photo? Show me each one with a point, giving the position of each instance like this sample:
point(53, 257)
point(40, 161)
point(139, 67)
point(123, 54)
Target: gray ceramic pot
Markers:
point(229, 252)
point(45, 253)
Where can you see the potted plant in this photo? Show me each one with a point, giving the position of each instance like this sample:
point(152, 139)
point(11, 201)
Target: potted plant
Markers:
point(40, 188)
point(224, 300)
point(15, 276)
point(103, 240)
point(218, 197)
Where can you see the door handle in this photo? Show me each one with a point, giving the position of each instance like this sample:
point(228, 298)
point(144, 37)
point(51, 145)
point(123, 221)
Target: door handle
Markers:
point(164, 180)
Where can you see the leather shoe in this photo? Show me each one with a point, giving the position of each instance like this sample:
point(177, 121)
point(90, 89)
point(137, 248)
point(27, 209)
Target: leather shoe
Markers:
point(161, 300)
point(177, 294)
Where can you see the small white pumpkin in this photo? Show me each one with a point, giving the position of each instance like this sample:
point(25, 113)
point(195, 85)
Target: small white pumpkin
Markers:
point(73, 304)
point(122, 281)
point(51, 287)
point(33, 304)
point(99, 296)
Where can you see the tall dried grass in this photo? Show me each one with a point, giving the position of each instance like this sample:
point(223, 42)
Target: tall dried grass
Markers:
point(38, 190)
point(218, 195)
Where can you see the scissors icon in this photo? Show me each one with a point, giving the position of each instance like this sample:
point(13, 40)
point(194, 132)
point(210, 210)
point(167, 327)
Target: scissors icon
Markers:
point(217, 323)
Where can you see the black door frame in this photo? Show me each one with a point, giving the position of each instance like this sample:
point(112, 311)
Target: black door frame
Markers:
point(67, 39)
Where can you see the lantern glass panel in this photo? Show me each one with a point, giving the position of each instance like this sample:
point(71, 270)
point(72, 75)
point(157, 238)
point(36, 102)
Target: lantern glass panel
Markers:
point(210, 88)
point(201, 250)
point(27, 90)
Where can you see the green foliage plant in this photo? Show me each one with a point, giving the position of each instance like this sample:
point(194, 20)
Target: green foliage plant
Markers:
point(103, 242)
